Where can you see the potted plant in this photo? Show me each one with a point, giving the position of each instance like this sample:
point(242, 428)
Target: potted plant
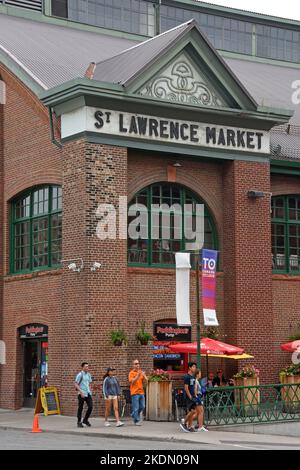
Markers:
point(296, 337)
point(212, 333)
point(291, 376)
point(119, 337)
point(248, 396)
point(143, 337)
point(159, 396)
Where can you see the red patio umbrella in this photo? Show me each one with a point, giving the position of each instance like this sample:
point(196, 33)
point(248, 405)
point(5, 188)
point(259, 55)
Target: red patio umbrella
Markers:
point(291, 347)
point(208, 346)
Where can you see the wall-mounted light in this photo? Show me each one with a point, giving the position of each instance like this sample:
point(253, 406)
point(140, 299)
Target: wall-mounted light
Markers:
point(177, 165)
point(256, 194)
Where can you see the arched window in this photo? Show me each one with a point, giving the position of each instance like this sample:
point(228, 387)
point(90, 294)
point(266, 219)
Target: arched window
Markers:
point(286, 234)
point(36, 230)
point(156, 246)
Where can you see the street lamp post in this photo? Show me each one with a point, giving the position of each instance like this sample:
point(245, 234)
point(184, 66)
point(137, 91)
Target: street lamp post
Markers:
point(197, 256)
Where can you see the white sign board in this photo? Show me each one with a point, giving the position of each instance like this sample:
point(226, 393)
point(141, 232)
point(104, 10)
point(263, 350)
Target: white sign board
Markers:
point(151, 128)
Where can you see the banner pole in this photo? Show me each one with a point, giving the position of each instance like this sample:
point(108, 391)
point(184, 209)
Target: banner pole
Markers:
point(197, 255)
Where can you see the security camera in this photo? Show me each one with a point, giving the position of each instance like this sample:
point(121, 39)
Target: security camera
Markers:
point(96, 266)
point(73, 267)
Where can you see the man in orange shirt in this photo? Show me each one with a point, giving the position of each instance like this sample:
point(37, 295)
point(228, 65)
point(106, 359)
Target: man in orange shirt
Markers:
point(136, 379)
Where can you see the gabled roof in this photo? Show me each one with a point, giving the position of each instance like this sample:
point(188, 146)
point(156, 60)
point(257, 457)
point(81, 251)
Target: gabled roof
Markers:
point(126, 66)
point(122, 67)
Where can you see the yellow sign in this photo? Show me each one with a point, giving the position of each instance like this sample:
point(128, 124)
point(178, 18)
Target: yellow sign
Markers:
point(47, 401)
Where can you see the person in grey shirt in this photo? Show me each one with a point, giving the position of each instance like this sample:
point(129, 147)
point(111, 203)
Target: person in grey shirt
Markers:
point(111, 394)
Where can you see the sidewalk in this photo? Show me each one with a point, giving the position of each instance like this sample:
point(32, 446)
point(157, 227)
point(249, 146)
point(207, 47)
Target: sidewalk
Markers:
point(22, 420)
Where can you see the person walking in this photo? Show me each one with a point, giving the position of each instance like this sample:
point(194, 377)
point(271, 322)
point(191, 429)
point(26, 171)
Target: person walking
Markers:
point(137, 378)
point(82, 385)
point(190, 398)
point(111, 393)
point(199, 403)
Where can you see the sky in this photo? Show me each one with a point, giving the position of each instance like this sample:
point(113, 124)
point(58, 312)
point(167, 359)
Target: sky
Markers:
point(285, 9)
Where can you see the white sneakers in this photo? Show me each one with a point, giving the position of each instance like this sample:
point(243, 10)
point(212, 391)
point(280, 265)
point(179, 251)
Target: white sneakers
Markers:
point(138, 423)
point(118, 425)
point(203, 429)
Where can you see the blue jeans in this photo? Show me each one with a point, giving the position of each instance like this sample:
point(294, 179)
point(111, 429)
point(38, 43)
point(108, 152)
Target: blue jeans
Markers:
point(138, 405)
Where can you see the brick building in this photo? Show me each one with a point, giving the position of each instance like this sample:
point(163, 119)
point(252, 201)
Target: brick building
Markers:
point(178, 102)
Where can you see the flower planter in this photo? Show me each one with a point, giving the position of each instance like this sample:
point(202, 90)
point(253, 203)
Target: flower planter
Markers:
point(159, 401)
point(247, 398)
point(291, 395)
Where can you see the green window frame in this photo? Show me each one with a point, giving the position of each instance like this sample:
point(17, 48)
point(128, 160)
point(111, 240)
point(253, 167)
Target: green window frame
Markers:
point(36, 230)
point(286, 234)
point(160, 253)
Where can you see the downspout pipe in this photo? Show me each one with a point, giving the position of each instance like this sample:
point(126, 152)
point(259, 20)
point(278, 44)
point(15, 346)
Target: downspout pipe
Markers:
point(52, 134)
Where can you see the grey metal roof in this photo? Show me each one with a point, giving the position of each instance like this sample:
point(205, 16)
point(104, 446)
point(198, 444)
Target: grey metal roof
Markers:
point(270, 85)
point(285, 146)
point(55, 54)
point(122, 67)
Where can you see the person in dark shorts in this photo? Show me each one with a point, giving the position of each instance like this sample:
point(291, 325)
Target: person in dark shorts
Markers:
point(190, 396)
point(199, 403)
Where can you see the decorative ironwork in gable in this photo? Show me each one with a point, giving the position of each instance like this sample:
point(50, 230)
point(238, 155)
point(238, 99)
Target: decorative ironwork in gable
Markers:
point(181, 82)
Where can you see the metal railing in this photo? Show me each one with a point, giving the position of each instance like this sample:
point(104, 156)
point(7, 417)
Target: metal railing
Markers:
point(247, 405)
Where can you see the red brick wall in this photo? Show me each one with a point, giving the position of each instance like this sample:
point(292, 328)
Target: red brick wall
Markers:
point(247, 263)
point(94, 304)
point(286, 289)
point(81, 309)
point(1, 222)
point(152, 294)
point(28, 159)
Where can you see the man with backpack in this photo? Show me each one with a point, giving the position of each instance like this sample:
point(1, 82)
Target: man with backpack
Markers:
point(82, 385)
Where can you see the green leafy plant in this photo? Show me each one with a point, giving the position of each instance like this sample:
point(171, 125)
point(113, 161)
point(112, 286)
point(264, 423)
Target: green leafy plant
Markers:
point(143, 337)
point(291, 371)
point(249, 372)
point(213, 332)
point(119, 337)
point(296, 337)
point(159, 375)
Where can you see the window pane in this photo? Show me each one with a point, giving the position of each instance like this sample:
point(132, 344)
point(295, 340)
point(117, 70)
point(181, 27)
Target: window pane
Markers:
point(278, 208)
point(23, 208)
point(294, 247)
point(168, 227)
point(294, 208)
point(40, 243)
point(56, 198)
point(56, 238)
point(278, 247)
point(41, 201)
point(31, 237)
point(22, 246)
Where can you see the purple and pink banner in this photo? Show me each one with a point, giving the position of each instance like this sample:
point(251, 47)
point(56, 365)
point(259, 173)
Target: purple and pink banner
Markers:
point(209, 287)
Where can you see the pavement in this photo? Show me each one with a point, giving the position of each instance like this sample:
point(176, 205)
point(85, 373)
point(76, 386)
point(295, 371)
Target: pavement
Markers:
point(150, 431)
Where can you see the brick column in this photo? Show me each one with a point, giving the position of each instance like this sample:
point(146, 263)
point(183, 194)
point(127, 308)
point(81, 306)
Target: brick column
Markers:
point(247, 264)
point(1, 232)
point(94, 303)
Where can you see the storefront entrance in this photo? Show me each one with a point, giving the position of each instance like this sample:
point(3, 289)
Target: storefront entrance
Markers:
point(35, 361)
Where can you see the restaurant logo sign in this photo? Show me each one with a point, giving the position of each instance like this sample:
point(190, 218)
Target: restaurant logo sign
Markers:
point(172, 333)
point(33, 331)
point(162, 130)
